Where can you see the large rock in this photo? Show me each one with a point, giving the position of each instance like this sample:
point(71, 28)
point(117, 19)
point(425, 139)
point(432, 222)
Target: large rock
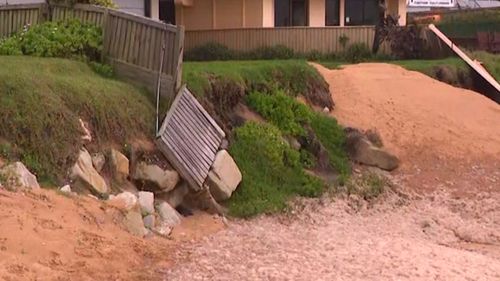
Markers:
point(149, 221)
point(175, 197)
point(119, 165)
point(98, 160)
point(362, 150)
point(146, 202)
point(168, 215)
point(84, 172)
point(224, 176)
point(17, 176)
point(125, 201)
point(164, 180)
point(134, 224)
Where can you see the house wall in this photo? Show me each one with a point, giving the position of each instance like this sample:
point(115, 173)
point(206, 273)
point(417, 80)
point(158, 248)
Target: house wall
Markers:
point(317, 12)
point(397, 7)
point(268, 13)
point(199, 16)
point(228, 13)
point(254, 13)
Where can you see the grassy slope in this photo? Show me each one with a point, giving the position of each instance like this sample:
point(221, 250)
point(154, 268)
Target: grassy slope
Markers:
point(293, 76)
point(41, 101)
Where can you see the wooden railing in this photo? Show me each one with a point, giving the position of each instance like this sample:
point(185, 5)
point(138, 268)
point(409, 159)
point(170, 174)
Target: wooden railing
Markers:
point(133, 44)
point(300, 39)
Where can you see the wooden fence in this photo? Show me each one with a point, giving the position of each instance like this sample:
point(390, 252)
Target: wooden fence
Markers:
point(13, 18)
point(300, 39)
point(132, 44)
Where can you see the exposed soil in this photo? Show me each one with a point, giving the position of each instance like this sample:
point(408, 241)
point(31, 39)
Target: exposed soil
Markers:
point(48, 236)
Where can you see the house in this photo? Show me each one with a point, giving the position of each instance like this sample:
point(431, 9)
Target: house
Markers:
point(226, 14)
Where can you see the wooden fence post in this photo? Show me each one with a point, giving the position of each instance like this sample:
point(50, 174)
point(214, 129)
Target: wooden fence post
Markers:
point(179, 49)
point(105, 35)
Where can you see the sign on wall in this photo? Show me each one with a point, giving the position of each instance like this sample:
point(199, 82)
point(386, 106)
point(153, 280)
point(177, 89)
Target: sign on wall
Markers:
point(431, 3)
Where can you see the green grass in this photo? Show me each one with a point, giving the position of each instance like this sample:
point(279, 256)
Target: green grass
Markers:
point(295, 77)
point(427, 66)
point(271, 170)
point(490, 62)
point(42, 100)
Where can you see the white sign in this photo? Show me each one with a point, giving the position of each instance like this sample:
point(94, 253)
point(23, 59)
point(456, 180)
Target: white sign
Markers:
point(431, 3)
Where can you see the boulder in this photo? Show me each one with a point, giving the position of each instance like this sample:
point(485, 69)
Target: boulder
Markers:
point(98, 160)
point(175, 197)
point(134, 224)
point(119, 165)
point(65, 189)
point(84, 172)
point(146, 202)
point(168, 215)
point(311, 143)
point(164, 180)
point(149, 221)
point(125, 201)
point(17, 176)
point(363, 151)
point(224, 176)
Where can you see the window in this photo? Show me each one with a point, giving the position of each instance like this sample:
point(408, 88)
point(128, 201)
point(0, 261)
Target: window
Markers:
point(291, 12)
point(361, 12)
point(332, 9)
point(167, 11)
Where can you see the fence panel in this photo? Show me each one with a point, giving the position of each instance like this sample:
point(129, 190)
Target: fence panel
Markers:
point(300, 39)
point(85, 13)
point(13, 18)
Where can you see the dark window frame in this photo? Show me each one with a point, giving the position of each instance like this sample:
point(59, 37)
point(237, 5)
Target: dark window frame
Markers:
point(289, 19)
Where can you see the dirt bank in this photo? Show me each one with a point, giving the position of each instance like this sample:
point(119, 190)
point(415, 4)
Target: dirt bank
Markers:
point(47, 236)
point(440, 132)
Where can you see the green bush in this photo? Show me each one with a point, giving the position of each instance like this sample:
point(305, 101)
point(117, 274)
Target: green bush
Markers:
point(104, 70)
point(357, 52)
point(272, 171)
point(281, 110)
point(278, 52)
point(62, 39)
point(466, 24)
point(209, 52)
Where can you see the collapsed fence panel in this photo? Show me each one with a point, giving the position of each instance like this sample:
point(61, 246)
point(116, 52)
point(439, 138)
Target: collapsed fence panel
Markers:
point(190, 138)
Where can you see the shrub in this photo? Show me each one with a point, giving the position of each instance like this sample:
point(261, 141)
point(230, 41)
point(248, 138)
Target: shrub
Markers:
point(271, 171)
point(62, 39)
point(332, 136)
point(278, 52)
point(357, 52)
point(281, 110)
point(104, 70)
point(209, 52)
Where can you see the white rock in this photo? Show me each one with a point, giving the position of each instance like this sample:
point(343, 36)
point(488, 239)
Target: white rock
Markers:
point(65, 189)
point(84, 171)
point(87, 136)
point(124, 201)
point(165, 180)
point(168, 215)
point(119, 165)
point(146, 202)
point(326, 110)
point(224, 176)
point(98, 160)
point(149, 221)
point(16, 176)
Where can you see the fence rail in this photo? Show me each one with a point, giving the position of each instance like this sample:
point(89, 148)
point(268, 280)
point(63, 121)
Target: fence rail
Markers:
point(300, 39)
point(132, 44)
